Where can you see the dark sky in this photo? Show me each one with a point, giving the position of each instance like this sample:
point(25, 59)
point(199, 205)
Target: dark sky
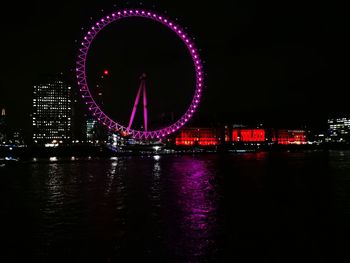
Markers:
point(264, 60)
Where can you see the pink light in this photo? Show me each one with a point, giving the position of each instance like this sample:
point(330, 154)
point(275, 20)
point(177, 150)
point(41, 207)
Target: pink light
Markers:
point(93, 107)
point(105, 72)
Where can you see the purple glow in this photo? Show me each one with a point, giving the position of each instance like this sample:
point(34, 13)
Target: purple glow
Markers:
point(145, 107)
point(85, 92)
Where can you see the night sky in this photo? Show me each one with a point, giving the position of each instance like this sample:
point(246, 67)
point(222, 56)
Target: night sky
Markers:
point(278, 62)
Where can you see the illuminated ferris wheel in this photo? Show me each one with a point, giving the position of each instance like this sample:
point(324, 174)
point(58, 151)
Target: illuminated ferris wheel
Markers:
point(102, 117)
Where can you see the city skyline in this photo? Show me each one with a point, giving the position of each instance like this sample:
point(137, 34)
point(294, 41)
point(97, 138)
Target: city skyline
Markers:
point(263, 61)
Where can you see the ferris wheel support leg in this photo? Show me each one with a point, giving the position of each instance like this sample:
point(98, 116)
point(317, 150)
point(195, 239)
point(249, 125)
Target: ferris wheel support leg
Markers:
point(135, 107)
point(144, 107)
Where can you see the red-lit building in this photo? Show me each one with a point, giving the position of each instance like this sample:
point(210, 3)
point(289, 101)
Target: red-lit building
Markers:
point(248, 135)
point(198, 136)
point(286, 137)
point(238, 136)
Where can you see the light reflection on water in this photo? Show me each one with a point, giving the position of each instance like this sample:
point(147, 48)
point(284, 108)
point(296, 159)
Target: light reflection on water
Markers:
point(197, 199)
point(205, 208)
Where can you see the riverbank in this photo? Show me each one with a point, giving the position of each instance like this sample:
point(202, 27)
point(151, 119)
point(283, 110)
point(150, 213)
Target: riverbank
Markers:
point(104, 151)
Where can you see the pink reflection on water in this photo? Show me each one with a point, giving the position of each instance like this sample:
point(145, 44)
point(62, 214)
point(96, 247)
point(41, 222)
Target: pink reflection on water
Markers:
point(197, 199)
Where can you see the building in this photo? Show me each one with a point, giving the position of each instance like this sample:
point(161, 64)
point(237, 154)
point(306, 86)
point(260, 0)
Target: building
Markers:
point(90, 129)
point(288, 137)
point(338, 130)
point(52, 113)
point(3, 129)
point(248, 135)
point(198, 137)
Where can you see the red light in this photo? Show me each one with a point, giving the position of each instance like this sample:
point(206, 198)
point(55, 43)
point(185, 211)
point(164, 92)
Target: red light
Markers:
point(248, 135)
point(105, 72)
point(202, 137)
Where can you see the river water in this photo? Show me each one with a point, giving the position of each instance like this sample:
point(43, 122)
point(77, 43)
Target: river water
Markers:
point(266, 207)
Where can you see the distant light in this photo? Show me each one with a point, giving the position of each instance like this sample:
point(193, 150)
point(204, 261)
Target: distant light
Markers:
point(156, 148)
point(105, 72)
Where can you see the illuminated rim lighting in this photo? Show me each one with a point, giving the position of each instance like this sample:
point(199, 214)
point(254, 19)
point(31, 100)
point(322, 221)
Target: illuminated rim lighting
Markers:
point(86, 94)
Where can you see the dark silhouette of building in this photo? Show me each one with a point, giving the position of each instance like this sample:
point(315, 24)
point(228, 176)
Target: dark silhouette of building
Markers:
point(3, 130)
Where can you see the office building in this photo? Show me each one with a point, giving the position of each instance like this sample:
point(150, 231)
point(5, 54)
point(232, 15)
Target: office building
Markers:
point(52, 113)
